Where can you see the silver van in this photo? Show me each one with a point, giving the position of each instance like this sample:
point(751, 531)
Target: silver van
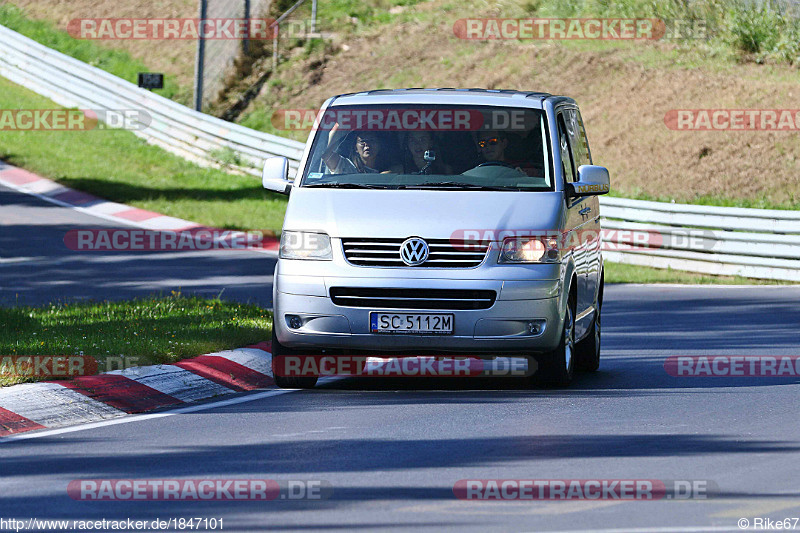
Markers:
point(447, 221)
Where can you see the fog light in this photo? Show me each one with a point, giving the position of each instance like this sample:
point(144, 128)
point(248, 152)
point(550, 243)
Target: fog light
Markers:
point(295, 322)
point(535, 327)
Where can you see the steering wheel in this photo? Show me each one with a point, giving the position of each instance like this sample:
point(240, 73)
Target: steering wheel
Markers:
point(496, 164)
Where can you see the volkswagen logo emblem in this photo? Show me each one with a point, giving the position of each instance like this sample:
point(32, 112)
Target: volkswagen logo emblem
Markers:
point(414, 251)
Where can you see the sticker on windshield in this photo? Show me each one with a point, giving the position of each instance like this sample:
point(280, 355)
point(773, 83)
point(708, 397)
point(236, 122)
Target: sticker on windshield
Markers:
point(315, 175)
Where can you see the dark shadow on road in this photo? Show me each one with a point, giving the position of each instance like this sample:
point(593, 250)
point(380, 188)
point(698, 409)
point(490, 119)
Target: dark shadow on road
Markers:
point(702, 318)
point(317, 456)
point(36, 269)
point(315, 459)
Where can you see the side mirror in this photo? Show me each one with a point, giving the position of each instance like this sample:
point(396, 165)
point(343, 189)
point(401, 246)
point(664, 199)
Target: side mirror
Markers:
point(592, 180)
point(275, 176)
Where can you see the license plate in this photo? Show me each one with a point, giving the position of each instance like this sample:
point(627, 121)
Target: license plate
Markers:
point(412, 323)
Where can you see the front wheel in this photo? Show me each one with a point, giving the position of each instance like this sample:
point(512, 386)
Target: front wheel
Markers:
point(556, 368)
point(279, 351)
point(587, 351)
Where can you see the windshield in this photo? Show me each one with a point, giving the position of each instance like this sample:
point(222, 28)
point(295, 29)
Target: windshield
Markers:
point(430, 146)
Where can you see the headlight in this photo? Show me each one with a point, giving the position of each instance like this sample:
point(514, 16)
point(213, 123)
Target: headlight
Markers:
point(304, 245)
point(529, 250)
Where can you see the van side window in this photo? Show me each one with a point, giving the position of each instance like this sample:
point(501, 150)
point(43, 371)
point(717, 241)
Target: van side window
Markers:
point(578, 140)
point(567, 166)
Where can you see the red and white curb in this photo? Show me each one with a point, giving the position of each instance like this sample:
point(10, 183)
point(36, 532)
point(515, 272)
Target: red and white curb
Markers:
point(26, 182)
point(90, 399)
point(85, 399)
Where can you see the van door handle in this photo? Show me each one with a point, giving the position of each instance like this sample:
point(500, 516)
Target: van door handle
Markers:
point(585, 211)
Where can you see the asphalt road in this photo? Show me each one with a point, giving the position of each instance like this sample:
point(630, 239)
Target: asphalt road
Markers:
point(36, 267)
point(393, 449)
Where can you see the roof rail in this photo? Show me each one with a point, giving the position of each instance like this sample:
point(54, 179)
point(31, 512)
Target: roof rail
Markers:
point(525, 94)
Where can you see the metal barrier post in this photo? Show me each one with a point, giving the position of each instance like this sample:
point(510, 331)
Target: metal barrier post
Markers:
point(201, 57)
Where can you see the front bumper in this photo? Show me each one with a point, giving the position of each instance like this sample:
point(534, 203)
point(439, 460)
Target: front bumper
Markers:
point(503, 328)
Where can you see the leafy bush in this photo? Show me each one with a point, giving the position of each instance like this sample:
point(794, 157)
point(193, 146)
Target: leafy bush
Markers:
point(754, 29)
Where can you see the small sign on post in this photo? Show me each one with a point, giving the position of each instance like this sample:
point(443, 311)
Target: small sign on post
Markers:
point(151, 80)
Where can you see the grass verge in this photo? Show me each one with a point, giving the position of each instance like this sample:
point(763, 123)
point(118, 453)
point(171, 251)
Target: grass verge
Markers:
point(118, 166)
point(133, 333)
point(117, 62)
point(621, 273)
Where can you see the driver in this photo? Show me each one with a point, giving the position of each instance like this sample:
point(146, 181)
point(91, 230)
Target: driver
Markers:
point(492, 145)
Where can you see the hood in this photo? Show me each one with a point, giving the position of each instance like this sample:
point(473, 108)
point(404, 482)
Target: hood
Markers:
point(431, 214)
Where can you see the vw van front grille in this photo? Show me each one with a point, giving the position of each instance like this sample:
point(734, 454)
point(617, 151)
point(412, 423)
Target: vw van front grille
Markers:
point(444, 253)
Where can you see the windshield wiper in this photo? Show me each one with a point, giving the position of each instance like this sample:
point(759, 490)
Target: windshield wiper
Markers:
point(457, 185)
point(337, 185)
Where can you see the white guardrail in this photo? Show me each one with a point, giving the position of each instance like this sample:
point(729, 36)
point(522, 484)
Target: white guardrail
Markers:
point(730, 241)
point(176, 128)
point(752, 243)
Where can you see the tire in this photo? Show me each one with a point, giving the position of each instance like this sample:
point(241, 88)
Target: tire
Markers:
point(556, 368)
point(288, 382)
point(587, 351)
